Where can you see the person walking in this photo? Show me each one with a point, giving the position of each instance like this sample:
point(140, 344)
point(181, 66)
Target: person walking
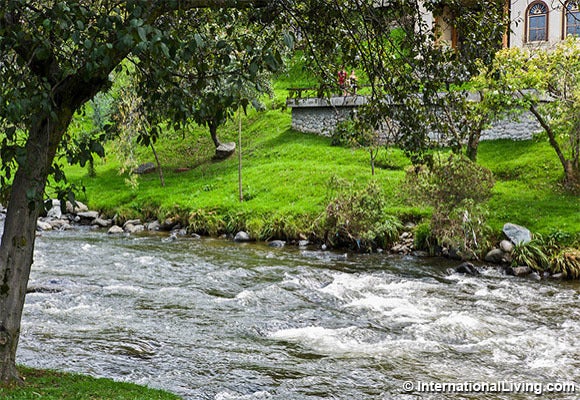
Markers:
point(352, 80)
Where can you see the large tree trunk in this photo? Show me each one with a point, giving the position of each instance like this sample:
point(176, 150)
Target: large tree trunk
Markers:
point(19, 234)
point(17, 245)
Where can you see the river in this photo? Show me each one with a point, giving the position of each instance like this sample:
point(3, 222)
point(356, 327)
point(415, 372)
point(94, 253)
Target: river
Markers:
point(211, 319)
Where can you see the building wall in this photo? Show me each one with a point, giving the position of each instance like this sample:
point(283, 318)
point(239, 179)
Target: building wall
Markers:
point(519, 24)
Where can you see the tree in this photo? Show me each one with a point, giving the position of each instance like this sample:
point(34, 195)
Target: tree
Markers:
point(227, 64)
point(417, 81)
point(547, 83)
point(54, 57)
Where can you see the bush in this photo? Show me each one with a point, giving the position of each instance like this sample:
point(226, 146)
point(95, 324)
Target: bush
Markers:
point(548, 254)
point(456, 189)
point(566, 262)
point(357, 219)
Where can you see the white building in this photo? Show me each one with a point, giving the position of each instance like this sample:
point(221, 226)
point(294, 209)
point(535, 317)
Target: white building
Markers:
point(542, 23)
point(534, 23)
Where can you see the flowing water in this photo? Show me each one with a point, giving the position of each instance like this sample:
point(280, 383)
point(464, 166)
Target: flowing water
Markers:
point(210, 319)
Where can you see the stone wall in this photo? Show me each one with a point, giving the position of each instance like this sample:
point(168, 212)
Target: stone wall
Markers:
point(320, 116)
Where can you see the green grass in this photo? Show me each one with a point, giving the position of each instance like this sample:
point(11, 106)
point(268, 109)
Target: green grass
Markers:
point(528, 190)
point(51, 385)
point(288, 180)
point(285, 174)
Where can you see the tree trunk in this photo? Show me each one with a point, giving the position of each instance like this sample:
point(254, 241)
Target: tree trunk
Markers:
point(473, 144)
point(17, 245)
point(571, 174)
point(213, 132)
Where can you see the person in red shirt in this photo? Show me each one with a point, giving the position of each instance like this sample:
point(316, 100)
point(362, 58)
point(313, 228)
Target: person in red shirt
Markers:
point(342, 80)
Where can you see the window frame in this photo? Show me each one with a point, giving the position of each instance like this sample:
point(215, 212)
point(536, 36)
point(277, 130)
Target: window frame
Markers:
point(545, 15)
point(566, 11)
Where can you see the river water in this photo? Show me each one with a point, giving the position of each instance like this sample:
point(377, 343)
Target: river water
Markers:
point(211, 319)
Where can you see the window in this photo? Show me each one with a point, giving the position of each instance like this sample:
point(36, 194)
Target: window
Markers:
point(537, 22)
point(572, 18)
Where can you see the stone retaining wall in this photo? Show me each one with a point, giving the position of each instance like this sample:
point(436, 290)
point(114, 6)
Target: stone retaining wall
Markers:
point(320, 116)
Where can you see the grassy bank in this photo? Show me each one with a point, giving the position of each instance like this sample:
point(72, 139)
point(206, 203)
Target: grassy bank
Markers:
point(49, 385)
point(289, 178)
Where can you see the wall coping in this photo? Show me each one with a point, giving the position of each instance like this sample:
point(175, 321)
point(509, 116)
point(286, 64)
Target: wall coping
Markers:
point(335, 101)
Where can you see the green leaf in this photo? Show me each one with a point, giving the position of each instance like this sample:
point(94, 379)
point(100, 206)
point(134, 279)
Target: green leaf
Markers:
point(142, 33)
point(165, 49)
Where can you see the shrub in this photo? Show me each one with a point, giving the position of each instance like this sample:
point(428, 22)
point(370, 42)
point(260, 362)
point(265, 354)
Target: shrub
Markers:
point(548, 254)
point(533, 254)
point(357, 219)
point(567, 262)
point(456, 189)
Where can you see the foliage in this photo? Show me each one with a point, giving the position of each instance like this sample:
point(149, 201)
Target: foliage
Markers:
point(226, 62)
point(414, 78)
point(533, 254)
point(548, 253)
point(554, 75)
point(357, 219)
point(456, 189)
point(449, 182)
point(567, 262)
point(423, 237)
point(355, 132)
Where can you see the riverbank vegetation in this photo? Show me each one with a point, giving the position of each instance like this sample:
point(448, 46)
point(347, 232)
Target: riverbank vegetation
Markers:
point(290, 178)
point(52, 385)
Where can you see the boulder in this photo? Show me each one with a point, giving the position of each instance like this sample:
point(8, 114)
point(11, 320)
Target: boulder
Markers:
point(60, 224)
point(521, 270)
point(303, 243)
point(43, 226)
point(115, 230)
point(224, 150)
point(153, 226)
point(277, 243)
point(467, 268)
point(130, 228)
point(87, 217)
point(242, 236)
point(195, 236)
point(72, 209)
point(146, 168)
point(495, 256)
point(168, 224)
point(55, 211)
point(132, 222)
point(535, 276)
point(103, 223)
point(517, 234)
point(179, 232)
point(506, 246)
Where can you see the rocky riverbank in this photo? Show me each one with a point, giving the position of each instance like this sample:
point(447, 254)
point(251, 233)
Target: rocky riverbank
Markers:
point(501, 256)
